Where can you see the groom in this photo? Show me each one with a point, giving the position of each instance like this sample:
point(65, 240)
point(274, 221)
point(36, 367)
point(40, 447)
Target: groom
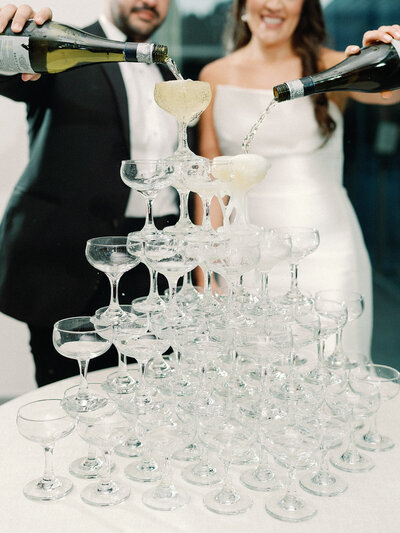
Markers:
point(82, 123)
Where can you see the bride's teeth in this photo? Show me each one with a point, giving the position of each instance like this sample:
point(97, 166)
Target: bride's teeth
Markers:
point(269, 20)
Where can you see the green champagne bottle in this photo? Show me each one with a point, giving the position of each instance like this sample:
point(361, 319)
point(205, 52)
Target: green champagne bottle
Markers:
point(55, 47)
point(375, 68)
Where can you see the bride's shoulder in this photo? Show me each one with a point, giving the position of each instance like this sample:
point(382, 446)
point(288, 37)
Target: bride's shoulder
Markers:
point(219, 72)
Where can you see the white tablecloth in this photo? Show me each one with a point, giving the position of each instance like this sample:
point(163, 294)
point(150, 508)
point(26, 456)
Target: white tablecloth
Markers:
point(370, 505)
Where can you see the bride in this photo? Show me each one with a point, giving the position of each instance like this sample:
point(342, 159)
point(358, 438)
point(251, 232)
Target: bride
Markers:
point(275, 41)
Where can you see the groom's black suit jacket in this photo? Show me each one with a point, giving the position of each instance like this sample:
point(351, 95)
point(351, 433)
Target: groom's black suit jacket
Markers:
point(70, 191)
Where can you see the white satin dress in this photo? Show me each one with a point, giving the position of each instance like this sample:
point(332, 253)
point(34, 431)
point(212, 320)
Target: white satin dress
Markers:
point(304, 187)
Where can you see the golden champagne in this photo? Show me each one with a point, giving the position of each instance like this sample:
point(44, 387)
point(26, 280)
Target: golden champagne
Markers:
point(184, 99)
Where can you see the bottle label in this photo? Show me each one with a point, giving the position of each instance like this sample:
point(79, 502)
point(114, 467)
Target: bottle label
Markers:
point(14, 54)
point(396, 45)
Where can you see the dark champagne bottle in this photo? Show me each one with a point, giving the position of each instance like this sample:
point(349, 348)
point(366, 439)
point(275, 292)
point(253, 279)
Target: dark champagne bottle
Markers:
point(55, 47)
point(375, 68)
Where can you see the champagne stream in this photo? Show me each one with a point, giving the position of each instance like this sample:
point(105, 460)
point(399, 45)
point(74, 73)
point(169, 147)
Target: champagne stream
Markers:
point(173, 68)
point(250, 136)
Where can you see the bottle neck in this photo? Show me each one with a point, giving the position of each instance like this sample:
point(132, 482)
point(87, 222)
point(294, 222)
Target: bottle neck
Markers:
point(139, 52)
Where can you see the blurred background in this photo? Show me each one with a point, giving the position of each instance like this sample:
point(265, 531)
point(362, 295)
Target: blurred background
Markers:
point(194, 35)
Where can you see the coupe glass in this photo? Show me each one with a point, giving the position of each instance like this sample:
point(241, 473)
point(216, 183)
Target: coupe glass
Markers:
point(143, 348)
point(167, 436)
point(386, 379)
point(264, 408)
point(173, 257)
point(77, 338)
point(354, 303)
point(152, 302)
point(182, 173)
point(304, 241)
point(227, 433)
point(146, 417)
point(44, 422)
point(333, 316)
point(290, 336)
point(129, 325)
point(248, 171)
point(185, 100)
point(111, 256)
point(208, 185)
point(85, 467)
point(294, 443)
point(275, 246)
point(233, 257)
point(104, 428)
point(331, 427)
point(148, 177)
point(360, 400)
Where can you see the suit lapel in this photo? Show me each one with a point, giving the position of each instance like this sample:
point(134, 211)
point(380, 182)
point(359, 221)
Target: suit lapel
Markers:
point(114, 78)
point(113, 74)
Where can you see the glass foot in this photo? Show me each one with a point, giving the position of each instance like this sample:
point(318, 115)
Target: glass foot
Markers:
point(189, 453)
point(201, 474)
point(40, 490)
point(352, 461)
point(374, 443)
point(262, 479)
point(120, 383)
point(322, 376)
point(289, 508)
point(145, 304)
point(227, 501)
point(144, 471)
point(77, 404)
point(87, 468)
point(130, 448)
point(165, 498)
point(104, 495)
point(323, 484)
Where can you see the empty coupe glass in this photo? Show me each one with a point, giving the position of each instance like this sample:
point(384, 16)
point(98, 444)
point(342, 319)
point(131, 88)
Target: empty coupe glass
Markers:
point(77, 338)
point(111, 256)
point(44, 422)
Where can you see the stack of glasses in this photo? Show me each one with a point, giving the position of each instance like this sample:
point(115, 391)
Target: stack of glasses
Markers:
point(224, 376)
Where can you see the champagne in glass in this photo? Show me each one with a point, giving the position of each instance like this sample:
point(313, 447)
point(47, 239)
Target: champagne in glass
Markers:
point(185, 100)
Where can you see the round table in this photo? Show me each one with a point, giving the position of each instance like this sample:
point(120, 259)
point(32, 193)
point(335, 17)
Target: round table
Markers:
point(370, 505)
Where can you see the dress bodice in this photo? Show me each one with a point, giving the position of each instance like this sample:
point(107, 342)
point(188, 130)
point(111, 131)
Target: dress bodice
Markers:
point(289, 136)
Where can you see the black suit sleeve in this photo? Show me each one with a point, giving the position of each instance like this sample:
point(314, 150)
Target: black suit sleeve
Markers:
point(30, 92)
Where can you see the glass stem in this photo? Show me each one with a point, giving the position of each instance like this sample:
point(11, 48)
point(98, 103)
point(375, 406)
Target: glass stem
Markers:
point(114, 282)
point(166, 480)
point(105, 474)
point(48, 474)
point(83, 384)
point(149, 212)
point(183, 145)
point(206, 223)
point(122, 368)
point(294, 270)
point(184, 209)
point(339, 342)
point(92, 453)
point(172, 285)
point(321, 353)
point(291, 488)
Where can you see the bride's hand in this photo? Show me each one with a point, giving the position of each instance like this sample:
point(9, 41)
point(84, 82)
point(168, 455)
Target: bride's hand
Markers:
point(20, 15)
point(384, 34)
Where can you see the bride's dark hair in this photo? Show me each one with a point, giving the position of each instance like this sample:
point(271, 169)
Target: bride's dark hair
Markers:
point(307, 41)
